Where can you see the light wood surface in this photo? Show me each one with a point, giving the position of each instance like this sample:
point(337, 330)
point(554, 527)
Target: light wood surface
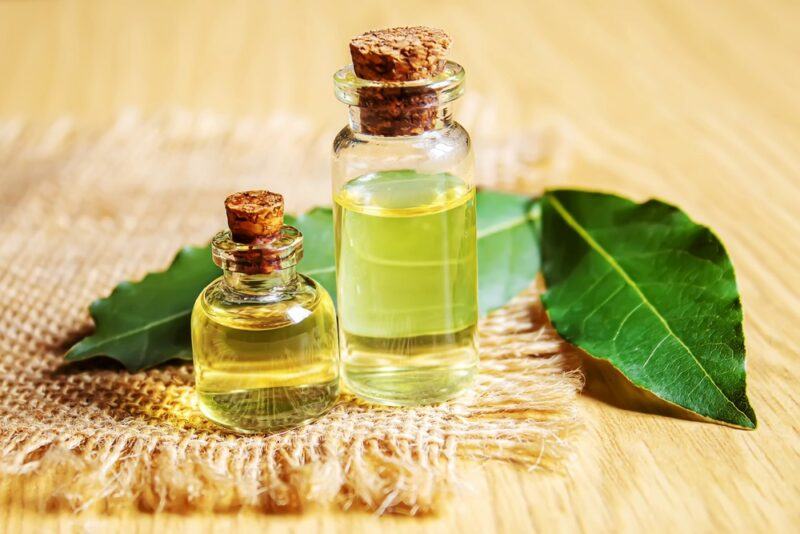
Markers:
point(695, 102)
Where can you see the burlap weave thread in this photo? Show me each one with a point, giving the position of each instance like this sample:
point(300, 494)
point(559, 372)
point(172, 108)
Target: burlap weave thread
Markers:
point(83, 210)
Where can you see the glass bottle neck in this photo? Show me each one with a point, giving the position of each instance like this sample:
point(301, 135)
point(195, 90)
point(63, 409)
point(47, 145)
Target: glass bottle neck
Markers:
point(399, 108)
point(269, 286)
point(443, 119)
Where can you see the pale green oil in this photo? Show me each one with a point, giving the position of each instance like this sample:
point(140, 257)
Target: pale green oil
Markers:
point(264, 368)
point(407, 286)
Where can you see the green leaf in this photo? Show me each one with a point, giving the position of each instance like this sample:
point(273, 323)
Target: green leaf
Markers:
point(508, 248)
point(651, 291)
point(145, 323)
point(318, 252)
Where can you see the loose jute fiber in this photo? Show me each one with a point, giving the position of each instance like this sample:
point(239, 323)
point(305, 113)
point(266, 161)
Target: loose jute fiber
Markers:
point(82, 211)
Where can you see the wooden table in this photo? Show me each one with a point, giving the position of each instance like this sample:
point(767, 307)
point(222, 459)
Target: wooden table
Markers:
point(694, 102)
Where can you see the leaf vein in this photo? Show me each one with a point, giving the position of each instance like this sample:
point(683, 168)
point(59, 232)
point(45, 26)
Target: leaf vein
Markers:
point(605, 301)
point(507, 225)
point(625, 320)
point(652, 352)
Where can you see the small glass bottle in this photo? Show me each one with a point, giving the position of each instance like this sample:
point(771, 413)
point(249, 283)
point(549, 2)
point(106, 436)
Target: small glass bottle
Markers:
point(405, 222)
point(264, 337)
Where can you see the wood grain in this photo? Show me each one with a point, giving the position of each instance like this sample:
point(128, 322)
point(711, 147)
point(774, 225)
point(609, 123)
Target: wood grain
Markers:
point(697, 103)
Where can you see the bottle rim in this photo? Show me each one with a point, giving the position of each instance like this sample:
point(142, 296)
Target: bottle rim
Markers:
point(448, 85)
point(282, 251)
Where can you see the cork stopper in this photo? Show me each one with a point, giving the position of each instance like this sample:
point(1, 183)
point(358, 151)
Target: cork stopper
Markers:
point(399, 54)
point(254, 214)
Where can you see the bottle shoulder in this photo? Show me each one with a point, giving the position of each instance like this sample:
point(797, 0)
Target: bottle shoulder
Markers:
point(445, 150)
point(286, 308)
point(454, 134)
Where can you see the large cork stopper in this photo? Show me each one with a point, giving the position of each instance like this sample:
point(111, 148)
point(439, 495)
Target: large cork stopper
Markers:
point(254, 214)
point(399, 55)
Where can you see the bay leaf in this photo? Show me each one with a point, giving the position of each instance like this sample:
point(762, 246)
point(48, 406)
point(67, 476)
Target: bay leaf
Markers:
point(652, 292)
point(318, 251)
point(508, 248)
point(142, 324)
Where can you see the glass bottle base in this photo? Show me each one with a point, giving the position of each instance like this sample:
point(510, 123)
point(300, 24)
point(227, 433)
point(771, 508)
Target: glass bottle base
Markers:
point(408, 387)
point(410, 371)
point(268, 410)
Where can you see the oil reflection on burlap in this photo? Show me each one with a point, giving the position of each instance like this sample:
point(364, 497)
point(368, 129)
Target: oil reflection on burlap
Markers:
point(83, 211)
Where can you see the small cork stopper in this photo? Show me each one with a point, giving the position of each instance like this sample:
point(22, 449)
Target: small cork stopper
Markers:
point(400, 54)
point(253, 215)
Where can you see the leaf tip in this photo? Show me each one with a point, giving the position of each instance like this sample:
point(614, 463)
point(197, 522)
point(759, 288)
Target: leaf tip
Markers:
point(748, 422)
point(751, 419)
point(77, 352)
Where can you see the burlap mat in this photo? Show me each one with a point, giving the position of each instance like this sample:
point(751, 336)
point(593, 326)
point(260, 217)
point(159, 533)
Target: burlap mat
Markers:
point(82, 211)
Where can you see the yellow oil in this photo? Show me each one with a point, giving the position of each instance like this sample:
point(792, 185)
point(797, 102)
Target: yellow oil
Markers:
point(263, 368)
point(407, 286)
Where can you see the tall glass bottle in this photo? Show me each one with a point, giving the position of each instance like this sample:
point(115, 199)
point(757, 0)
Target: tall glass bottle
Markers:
point(405, 237)
point(264, 337)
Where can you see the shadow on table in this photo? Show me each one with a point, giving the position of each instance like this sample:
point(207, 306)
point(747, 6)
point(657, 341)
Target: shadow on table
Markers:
point(608, 385)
